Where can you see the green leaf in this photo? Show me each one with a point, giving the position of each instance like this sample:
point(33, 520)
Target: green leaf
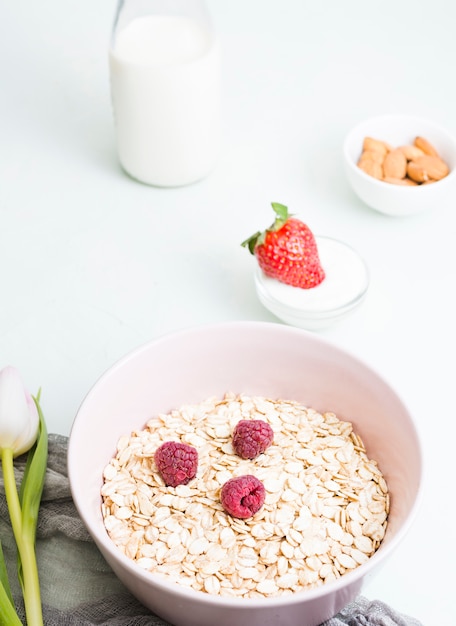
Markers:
point(251, 242)
point(30, 493)
point(281, 210)
point(8, 615)
point(258, 238)
point(4, 575)
point(32, 482)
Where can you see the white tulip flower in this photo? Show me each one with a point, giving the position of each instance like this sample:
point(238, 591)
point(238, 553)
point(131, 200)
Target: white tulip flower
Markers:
point(19, 419)
point(22, 429)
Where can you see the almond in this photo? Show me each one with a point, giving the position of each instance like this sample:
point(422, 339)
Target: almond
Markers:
point(427, 168)
point(416, 172)
point(371, 167)
point(372, 155)
point(375, 145)
point(425, 146)
point(412, 152)
point(412, 164)
point(395, 164)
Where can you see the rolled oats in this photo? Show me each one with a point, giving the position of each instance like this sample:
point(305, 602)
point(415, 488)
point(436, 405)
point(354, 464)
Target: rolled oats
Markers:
point(325, 511)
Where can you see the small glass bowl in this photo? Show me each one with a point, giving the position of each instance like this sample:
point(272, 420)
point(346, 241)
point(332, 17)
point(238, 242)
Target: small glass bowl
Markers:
point(342, 290)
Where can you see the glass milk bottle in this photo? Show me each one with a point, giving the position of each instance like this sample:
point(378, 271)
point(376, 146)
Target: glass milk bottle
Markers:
point(165, 87)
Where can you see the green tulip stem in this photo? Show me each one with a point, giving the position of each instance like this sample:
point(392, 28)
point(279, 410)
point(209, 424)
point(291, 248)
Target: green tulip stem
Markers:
point(25, 544)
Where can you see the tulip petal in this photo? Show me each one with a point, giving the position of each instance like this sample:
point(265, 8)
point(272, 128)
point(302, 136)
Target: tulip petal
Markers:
point(19, 418)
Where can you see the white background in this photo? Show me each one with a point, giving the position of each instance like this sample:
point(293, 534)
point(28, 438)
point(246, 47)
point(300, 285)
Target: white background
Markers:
point(92, 264)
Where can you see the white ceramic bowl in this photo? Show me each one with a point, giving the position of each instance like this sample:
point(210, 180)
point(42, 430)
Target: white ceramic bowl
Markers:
point(341, 292)
point(393, 199)
point(254, 358)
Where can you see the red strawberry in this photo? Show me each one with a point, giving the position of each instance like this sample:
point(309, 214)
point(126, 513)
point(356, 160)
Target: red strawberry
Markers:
point(287, 251)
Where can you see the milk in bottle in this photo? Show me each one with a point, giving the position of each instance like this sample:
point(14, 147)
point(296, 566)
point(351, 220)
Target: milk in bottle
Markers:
point(165, 86)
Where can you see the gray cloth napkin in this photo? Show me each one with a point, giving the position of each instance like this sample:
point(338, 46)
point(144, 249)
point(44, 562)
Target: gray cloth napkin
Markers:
point(77, 585)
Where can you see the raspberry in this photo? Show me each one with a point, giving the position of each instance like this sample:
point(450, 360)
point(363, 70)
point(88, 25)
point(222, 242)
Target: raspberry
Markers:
point(176, 462)
point(251, 438)
point(243, 496)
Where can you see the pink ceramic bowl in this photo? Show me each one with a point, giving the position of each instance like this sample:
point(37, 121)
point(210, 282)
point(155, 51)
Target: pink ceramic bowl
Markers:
point(256, 359)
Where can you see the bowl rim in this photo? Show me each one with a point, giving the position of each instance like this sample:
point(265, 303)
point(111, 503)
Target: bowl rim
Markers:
point(381, 184)
point(105, 544)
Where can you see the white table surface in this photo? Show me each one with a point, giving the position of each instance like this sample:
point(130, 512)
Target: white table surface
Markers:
point(93, 264)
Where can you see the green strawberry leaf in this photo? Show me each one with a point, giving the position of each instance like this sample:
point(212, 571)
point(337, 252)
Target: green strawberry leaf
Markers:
point(259, 237)
point(281, 210)
point(252, 241)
